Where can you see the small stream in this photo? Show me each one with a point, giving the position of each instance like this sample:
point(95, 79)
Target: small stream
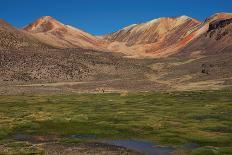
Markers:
point(144, 147)
point(141, 146)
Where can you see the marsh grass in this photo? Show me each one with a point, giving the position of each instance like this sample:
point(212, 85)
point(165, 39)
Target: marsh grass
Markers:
point(173, 118)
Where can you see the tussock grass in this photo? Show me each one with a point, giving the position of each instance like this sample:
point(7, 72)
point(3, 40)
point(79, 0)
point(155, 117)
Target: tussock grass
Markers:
point(173, 118)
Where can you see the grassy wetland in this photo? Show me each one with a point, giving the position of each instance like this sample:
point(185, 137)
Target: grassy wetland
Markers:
point(176, 119)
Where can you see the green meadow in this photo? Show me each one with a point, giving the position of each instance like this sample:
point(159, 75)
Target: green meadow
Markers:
point(173, 119)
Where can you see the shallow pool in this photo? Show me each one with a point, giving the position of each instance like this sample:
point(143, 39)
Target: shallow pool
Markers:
point(144, 147)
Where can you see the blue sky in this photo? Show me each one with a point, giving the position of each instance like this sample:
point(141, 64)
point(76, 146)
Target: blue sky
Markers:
point(105, 16)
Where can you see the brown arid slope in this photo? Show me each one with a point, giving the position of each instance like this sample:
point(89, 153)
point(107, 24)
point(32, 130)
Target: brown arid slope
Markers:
point(72, 70)
point(14, 39)
point(204, 63)
point(49, 30)
point(157, 38)
point(216, 36)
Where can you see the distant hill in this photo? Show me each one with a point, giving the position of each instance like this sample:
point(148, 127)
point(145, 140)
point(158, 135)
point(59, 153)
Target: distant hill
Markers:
point(49, 30)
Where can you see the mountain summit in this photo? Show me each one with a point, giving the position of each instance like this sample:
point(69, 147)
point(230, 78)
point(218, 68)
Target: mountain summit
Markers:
point(152, 31)
point(44, 24)
point(159, 36)
point(49, 30)
point(219, 16)
point(13, 39)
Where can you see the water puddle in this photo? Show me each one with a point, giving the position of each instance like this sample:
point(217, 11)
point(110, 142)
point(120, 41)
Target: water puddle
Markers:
point(143, 147)
point(83, 136)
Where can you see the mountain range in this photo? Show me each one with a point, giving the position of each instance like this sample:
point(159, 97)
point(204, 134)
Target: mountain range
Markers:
point(160, 37)
point(164, 51)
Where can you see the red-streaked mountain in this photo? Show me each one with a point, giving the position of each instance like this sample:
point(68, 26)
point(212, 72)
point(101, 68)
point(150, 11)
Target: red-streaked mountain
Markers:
point(152, 31)
point(53, 32)
point(159, 37)
point(205, 62)
point(216, 36)
point(167, 36)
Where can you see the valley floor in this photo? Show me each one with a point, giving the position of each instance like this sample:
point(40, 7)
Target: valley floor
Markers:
point(59, 72)
point(190, 122)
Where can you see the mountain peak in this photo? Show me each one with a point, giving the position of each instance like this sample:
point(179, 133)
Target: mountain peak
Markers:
point(219, 16)
point(46, 17)
point(178, 20)
point(43, 24)
point(184, 17)
point(130, 26)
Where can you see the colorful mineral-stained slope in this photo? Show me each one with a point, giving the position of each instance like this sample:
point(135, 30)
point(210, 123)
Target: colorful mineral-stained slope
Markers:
point(49, 30)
